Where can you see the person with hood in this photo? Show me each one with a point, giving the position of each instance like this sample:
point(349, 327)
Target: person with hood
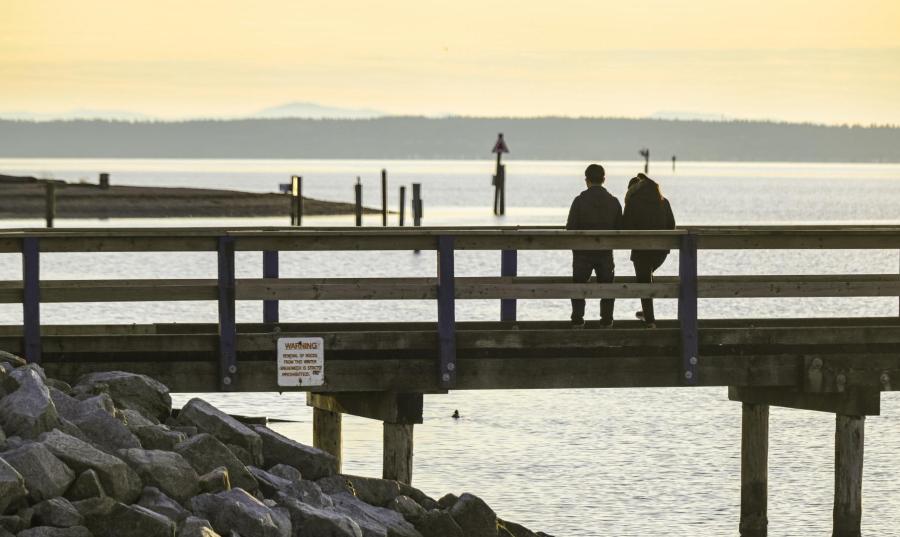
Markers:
point(595, 208)
point(646, 208)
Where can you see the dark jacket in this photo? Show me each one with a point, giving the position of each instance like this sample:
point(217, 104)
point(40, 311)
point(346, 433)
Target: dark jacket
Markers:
point(646, 208)
point(595, 208)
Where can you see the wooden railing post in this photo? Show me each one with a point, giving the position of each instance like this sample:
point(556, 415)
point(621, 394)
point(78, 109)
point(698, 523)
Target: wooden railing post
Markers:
point(31, 298)
point(509, 267)
point(227, 328)
point(446, 311)
point(270, 270)
point(848, 472)
point(687, 308)
point(754, 470)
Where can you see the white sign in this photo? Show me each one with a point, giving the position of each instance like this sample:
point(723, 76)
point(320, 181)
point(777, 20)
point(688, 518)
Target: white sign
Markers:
point(301, 361)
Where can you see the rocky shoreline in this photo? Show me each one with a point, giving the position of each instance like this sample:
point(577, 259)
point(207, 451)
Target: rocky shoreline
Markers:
point(108, 457)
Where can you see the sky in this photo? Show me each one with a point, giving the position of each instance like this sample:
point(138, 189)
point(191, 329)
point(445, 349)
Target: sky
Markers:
point(825, 61)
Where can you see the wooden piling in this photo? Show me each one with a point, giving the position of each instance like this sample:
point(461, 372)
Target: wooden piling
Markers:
point(327, 433)
point(50, 203)
point(398, 452)
point(384, 208)
point(357, 189)
point(104, 181)
point(417, 204)
point(402, 211)
point(848, 472)
point(754, 470)
point(296, 200)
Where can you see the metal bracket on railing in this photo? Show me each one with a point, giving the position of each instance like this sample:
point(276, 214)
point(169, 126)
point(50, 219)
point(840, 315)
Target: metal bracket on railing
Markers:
point(446, 312)
point(31, 299)
point(227, 328)
point(687, 308)
point(270, 270)
point(509, 267)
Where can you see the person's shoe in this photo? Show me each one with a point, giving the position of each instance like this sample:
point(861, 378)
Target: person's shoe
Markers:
point(639, 315)
point(578, 325)
point(649, 325)
point(605, 324)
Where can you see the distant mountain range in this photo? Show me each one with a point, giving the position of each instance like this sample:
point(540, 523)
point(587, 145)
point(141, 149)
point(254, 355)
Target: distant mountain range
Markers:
point(549, 138)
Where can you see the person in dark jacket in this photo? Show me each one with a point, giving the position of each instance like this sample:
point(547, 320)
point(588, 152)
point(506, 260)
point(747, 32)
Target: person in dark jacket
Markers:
point(595, 208)
point(646, 208)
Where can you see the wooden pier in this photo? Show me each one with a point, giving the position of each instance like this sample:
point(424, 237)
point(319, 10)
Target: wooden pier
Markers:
point(380, 370)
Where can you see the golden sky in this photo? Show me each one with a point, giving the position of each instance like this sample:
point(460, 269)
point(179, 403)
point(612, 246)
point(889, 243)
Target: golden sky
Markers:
point(818, 60)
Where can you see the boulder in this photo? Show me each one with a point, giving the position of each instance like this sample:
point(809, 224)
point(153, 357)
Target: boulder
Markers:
point(19, 374)
point(2, 440)
point(287, 472)
point(58, 512)
point(118, 480)
point(196, 527)
point(474, 516)
point(45, 475)
point(438, 523)
point(71, 429)
point(155, 500)
point(105, 431)
point(208, 419)
point(205, 453)
point(374, 521)
point(60, 385)
point(270, 485)
point(305, 491)
point(216, 480)
point(167, 471)
point(12, 486)
point(87, 485)
point(371, 490)
point(309, 520)
point(158, 437)
point(243, 455)
point(134, 419)
point(420, 497)
point(28, 411)
point(130, 391)
point(312, 462)
point(129, 521)
point(49, 531)
point(71, 408)
point(188, 430)
point(12, 524)
point(447, 500)
point(12, 359)
point(236, 510)
point(101, 401)
point(26, 514)
point(515, 530)
point(407, 507)
point(95, 507)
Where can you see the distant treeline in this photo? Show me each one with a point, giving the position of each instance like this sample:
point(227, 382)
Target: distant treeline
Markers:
point(551, 138)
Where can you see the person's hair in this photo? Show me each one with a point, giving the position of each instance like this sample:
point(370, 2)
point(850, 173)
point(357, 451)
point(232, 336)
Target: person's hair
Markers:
point(595, 174)
point(634, 180)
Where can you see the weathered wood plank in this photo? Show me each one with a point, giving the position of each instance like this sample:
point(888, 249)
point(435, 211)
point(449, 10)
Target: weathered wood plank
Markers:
point(397, 461)
point(390, 407)
point(328, 434)
point(856, 402)
point(848, 475)
point(754, 470)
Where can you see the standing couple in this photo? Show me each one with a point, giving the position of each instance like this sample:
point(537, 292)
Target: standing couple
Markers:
point(596, 208)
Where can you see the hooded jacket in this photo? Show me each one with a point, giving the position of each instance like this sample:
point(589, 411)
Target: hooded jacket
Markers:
point(595, 208)
point(646, 208)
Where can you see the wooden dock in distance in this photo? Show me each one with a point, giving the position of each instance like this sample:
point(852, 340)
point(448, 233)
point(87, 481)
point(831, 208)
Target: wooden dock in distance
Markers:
point(381, 369)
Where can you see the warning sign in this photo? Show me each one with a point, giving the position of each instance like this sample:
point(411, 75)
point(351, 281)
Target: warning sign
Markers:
point(500, 146)
point(301, 361)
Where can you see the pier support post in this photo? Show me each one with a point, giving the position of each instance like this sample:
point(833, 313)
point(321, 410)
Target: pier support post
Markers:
point(327, 433)
point(509, 267)
point(227, 327)
point(31, 298)
point(398, 452)
point(384, 207)
point(754, 469)
point(357, 193)
point(402, 211)
point(50, 203)
point(848, 471)
point(687, 308)
point(270, 271)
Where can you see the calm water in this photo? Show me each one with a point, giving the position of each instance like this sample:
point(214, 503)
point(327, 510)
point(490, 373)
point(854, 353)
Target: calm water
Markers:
point(581, 463)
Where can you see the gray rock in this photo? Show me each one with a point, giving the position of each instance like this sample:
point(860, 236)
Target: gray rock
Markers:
point(270, 485)
point(28, 411)
point(197, 527)
point(12, 486)
point(71, 429)
point(48, 531)
point(216, 480)
point(134, 419)
point(474, 516)
point(209, 419)
point(309, 520)
point(45, 475)
point(118, 480)
point(420, 497)
point(101, 401)
point(12, 523)
point(438, 523)
point(2, 440)
point(129, 521)
point(71, 408)
point(155, 500)
point(105, 431)
point(313, 463)
point(371, 490)
point(58, 512)
point(236, 510)
point(158, 437)
point(95, 507)
point(374, 521)
point(205, 453)
point(167, 471)
point(448, 500)
point(19, 374)
point(243, 455)
point(188, 430)
point(515, 530)
point(130, 391)
point(305, 491)
point(87, 485)
point(26, 514)
point(407, 507)
point(287, 472)
point(12, 359)
point(57, 384)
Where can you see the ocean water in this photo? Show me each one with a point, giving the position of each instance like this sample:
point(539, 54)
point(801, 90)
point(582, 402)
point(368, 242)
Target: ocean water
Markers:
point(568, 462)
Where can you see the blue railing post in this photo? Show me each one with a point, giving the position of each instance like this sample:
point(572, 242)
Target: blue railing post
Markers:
point(446, 312)
point(31, 299)
point(227, 329)
point(687, 308)
point(270, 270)
point(509, 267)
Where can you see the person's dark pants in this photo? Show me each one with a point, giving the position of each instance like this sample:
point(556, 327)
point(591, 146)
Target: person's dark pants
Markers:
point(583, 265)
point(644, 267)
